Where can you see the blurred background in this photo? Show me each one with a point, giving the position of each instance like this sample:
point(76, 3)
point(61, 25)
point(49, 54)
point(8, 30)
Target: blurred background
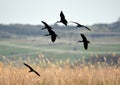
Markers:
point(21, 36)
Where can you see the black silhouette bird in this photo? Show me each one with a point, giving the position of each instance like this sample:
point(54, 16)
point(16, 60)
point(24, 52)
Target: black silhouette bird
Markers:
point(51, 32)
point(31, 69)
point(46, 25)
point(79, 25)
point(85, 41)
point(62, 19)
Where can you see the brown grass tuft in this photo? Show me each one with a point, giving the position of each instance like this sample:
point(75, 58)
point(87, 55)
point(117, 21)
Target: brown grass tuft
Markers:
point(55, 75)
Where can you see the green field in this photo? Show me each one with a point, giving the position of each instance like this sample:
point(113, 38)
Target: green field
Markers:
point(31, 47)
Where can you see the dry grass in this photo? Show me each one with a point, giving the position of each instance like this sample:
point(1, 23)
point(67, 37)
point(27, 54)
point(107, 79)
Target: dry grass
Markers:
point(55, 75)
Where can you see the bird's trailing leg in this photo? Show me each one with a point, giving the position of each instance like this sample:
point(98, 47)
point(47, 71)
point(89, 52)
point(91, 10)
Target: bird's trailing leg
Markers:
point(80, 41)
point(47, 35)
point(43, 28)
point(58, 22)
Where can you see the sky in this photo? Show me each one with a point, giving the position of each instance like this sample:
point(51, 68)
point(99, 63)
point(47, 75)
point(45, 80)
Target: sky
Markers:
point(86, 12)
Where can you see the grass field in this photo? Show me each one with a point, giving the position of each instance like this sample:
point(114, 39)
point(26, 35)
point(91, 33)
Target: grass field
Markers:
point(59, 63)
point(35, 46)
point(56, 75)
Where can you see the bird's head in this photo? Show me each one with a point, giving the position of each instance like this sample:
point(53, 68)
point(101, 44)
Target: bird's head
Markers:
point(58, 22)
point(89, 42)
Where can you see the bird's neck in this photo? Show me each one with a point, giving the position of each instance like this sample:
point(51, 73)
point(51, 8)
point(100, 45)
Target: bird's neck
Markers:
point(88, 41)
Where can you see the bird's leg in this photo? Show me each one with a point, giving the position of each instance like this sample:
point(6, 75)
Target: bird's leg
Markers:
point(47, 35)
point(58, 22)
point(80, 41)
point(43, 28)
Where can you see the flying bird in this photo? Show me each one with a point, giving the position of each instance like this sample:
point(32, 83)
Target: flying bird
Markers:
point(62, 19)
point(46, 25)
point(51, 32)
point(79, 25)
point(31, 69)
point(85, 41)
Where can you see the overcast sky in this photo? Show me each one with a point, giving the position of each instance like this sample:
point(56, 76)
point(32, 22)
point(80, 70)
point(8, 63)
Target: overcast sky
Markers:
point(86, 12)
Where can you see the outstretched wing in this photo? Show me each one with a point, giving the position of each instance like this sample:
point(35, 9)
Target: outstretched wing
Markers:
point(85, 41)
point(86, 27)
point(28, 66)
point(83, 37)
point(62, 15)
point(85, 45)
point(31, 69)
point(44, 23)
point(79, 25)
point(75, 22)
point(36, 73)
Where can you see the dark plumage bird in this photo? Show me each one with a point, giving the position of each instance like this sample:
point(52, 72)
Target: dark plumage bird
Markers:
point(46, 25)
point(51, 32)
point(85, 41)
point(79, 25)
point(62, 19)
point(31, 69)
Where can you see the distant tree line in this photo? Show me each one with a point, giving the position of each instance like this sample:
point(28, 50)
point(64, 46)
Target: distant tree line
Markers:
point(7, 31)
